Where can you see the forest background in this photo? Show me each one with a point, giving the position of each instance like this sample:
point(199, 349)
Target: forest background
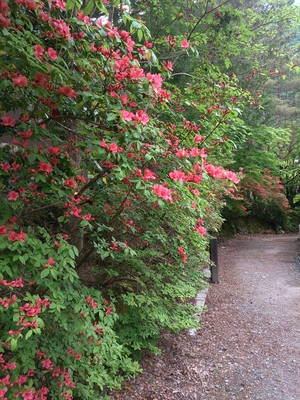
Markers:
point(131, 134)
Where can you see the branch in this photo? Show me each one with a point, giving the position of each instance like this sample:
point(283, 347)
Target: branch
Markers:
point(204, 14)
point(88, 184)
point(73, 117)
point(211, 132)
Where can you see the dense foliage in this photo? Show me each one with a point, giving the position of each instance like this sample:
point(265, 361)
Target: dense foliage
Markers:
point(117, 136)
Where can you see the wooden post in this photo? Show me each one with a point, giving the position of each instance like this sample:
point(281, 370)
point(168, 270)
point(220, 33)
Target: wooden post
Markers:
point(214, 268)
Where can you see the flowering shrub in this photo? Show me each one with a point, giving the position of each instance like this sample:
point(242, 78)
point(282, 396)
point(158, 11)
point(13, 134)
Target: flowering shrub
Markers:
point(107, 197)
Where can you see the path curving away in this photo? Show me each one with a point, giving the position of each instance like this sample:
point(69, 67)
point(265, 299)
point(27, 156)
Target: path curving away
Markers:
point(249, 344)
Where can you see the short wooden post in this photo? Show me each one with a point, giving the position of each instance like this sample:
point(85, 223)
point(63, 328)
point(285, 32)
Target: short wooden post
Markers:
point(214, 267)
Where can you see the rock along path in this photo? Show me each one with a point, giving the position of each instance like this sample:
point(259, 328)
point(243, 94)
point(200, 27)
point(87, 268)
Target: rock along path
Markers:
point(249, 344)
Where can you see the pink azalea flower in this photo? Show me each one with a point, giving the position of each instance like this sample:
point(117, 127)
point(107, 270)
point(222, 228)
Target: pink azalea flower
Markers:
point(5, 166)
point(142, 117)
point(44, 167)
point(201, 229)
point(3, 230)
point(51, 261)
point(12, 195)
point(149, 175)
point(163, 192)
point(185, 44)
point(61, 4)
point(198, 138)
point(52, 53)
point(168, 65)
point(177, 176)
point(54, 151)
point(113, 147)
point(126, 115)
point(67, 91)
point(232, 177)
point(38, 50)
point(20, 81)
point(194, 152)
point(70, 182)
point(13, 237)
point(84, 18)
point(8, 120)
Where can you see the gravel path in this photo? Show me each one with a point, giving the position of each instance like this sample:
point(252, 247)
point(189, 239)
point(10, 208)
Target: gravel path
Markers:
point(249, 344)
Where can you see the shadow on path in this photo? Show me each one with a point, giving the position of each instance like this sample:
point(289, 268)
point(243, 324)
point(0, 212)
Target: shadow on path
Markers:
point(249, 344)
point(258, 305)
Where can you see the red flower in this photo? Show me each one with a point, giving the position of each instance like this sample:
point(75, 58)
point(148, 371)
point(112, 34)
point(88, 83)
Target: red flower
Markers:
point(201, 229)
point(47, 364)
point(109, 310)
point(126, 115)
point(61, 4)
point(198, 138)
point(4, 23)
point(156, 80)
point(114, 246)
point(70, 182)
point(44, 167)
point(149, 175)
point(142, 117)
point(20, 81)
point(54, 151)
point(180, 250)
point(51, 261)
point(5, 166)
point(185, 44)
point(25, 135)
point(38, 50)
point(163, 192)
point(29, 4)
point(84, 18)
point(17, 283)
point(52, 53)
point(232, 177)
point(177, 176)
point(114, 148)
point(67, 91)
point(8, 120)
point(88, 217)
point(3, 230)
point(168, 65)
point(12, 195)
point(13, 237)
point(184, 258)
point(61, 28)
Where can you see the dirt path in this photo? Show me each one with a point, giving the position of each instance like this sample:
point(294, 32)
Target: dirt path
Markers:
point(249, 345)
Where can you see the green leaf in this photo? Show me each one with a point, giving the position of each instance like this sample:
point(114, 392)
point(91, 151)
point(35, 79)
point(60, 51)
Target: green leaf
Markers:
point(136, 25)
point(13, 344)
point(22, 259)
point(111, 117)
point(140, 35)
point(53, 273)
point(89, 7)
point(28, 334)
point(227, 62)
point(45, 273)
